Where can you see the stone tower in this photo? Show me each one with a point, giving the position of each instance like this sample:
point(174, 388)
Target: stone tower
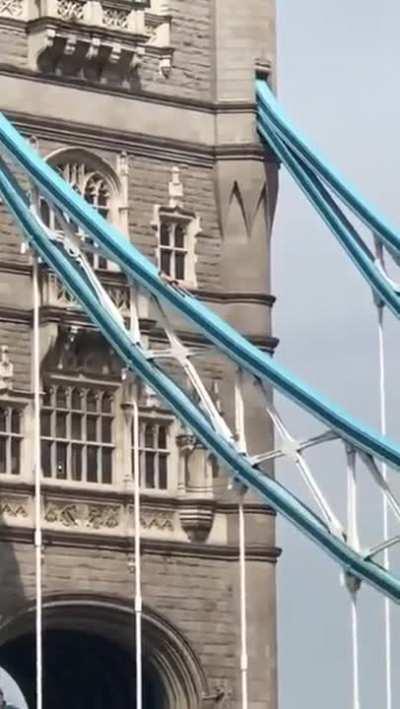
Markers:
point(147, 108)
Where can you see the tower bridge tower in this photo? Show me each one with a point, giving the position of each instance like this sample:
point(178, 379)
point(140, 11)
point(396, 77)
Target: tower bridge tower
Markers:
point(147, 109)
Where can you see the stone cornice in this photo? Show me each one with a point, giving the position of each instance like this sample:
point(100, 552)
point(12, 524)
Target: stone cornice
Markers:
point(241, 298)
point(12, 22)
point(22, 269)
point(60, 316)
point(254, 552)
point(15, 315)
point(138, 144)
point(223, 297)
point(146, 96)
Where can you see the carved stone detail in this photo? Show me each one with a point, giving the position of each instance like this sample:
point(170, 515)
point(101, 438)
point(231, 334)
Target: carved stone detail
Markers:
point(60, 513)
point(116, 18)
point(175, 215)
point(197, 516)
point(11, 8)
point(114, 54)
point(13, 508)
point(81, 351)
point(175, 189)
point(6, 369)
point(220, 696)
point(83, 516)
point(104, 517)
point(153, 519)
point(71, 10)
point(57, 295)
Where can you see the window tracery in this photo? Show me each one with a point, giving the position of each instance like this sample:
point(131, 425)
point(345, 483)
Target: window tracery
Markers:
point(154, 453)
point(97, 190)
point(176, 230)
point(10, 440)
point(173, 249)
point(77, 431)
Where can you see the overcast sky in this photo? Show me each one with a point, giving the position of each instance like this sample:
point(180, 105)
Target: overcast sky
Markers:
point(338, 68)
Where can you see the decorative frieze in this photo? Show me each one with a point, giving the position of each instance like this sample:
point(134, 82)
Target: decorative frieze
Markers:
point(71, 10)
point(12, 8)
point(55, 294)
point(13, 508)
point(101, 517)
point(83, 516)
point(155, 519)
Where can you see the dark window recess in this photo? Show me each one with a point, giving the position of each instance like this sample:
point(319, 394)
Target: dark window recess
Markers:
point(10, 440)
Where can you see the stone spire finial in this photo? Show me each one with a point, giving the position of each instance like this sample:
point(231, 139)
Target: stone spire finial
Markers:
point(6, 369)
point(175, 189)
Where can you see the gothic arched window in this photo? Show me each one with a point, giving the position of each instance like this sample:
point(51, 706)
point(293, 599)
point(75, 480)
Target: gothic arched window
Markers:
point(97, 183)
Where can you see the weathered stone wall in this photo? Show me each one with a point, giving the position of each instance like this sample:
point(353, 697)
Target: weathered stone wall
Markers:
point(13, 43)
point(192, 38)
point(198, 595)
point(200, 119)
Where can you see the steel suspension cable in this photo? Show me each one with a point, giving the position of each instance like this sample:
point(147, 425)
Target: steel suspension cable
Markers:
point(135, 433)
point(353, 200)
point(226, 338)
point(137, 359)
point(138, 560)
point(334, 218)
point(241, 439)
point(297, 155)
point(244, 656)
point(38, 486)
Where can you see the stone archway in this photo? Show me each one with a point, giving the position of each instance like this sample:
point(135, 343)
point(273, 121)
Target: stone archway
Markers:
point(89, 657)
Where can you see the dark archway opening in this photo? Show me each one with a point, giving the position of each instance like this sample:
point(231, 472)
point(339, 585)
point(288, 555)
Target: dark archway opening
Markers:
point(81, 670)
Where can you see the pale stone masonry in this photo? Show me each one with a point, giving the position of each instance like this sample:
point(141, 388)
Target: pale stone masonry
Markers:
point(148, 109)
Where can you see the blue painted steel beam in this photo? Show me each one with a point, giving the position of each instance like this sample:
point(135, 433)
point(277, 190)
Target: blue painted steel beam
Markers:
point(330, 212)
point(135, 358)
point(354, 201)
point(115, 246)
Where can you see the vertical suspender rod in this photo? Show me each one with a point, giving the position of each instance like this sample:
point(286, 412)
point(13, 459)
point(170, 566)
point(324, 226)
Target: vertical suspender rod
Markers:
point(241, 436)
point(137, 530)
point(353, 584)
point(38, 491)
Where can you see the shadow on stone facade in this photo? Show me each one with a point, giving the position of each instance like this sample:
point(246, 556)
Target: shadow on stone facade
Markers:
point(89, 656)
point(12, 593)
point(81, 670)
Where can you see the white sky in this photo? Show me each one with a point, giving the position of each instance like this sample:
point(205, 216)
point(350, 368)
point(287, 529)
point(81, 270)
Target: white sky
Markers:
point(338, 68)
point(11, 690)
